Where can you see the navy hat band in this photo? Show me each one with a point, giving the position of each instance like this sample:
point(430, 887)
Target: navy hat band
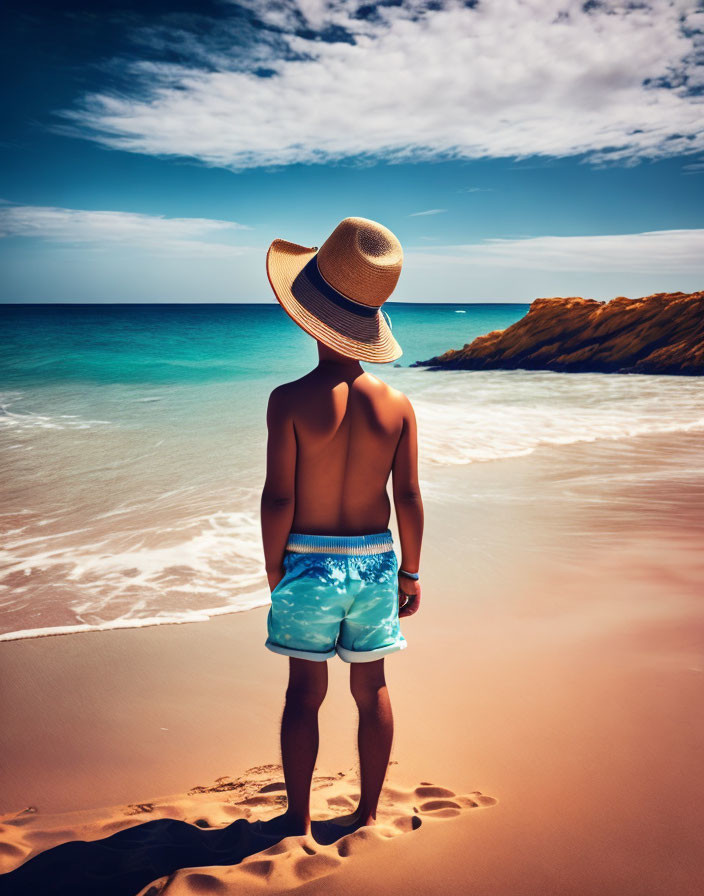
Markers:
point(311, 272)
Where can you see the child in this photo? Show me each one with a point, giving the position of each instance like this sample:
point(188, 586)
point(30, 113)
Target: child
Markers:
point(334, 437)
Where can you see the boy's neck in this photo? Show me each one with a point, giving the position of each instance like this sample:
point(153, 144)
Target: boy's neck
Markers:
point(329, 359)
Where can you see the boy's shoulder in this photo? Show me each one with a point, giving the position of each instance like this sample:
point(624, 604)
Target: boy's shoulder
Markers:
point(284, 398)
point(286, 391)
point(389, 392)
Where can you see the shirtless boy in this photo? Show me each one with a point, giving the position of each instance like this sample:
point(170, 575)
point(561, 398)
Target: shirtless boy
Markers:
point(334, 437)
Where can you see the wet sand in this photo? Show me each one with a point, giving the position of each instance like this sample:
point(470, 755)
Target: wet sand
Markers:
point(555, 668)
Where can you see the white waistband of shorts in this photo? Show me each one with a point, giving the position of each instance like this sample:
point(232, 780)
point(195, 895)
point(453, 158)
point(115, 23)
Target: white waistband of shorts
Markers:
point(377, 543)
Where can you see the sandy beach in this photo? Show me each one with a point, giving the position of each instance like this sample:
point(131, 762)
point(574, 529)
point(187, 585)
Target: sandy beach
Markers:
point(548, 723)
point(256, 257)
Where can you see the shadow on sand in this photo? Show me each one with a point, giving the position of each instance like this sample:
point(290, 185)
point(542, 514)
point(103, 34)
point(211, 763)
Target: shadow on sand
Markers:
point(124, 863)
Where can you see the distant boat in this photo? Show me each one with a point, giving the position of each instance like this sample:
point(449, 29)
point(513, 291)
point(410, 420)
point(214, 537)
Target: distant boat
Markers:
point(460, 312)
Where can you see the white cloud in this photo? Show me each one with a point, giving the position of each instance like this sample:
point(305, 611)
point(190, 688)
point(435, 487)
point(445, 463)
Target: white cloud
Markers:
point(505, 78)
point(191, 236)
point(653, 252)
point(430, 211)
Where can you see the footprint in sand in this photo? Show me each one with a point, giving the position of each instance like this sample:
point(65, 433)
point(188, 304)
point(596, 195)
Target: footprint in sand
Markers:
point(197, 882)
point(426, 790)
point(341, 802)
point(445, 803)
point(275, 786)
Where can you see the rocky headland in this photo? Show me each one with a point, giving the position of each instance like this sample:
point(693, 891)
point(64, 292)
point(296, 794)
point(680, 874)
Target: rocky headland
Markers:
point(662, 333)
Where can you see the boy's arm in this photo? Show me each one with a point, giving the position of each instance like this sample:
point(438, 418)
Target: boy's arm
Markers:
point(278, 495)
point(409, 505)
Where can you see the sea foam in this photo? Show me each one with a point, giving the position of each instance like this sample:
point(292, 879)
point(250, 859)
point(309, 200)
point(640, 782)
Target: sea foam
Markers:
point(466, 417)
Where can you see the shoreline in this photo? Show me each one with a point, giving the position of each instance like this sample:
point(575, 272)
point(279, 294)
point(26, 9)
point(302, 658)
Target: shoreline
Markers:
point(542, 455)
point(117, 625)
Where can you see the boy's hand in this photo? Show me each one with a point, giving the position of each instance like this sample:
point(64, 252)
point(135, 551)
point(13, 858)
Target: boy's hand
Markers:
point(274, 578)
point(408, 596)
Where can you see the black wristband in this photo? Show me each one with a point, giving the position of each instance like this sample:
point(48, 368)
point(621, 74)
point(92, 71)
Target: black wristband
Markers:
point(409, 575)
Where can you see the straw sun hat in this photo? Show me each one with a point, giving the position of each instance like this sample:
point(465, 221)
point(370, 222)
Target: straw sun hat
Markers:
point(335, 293)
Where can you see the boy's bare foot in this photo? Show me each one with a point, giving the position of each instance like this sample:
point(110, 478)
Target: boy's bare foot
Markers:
point(357, 819)
point(333, 829)
point(284, 825)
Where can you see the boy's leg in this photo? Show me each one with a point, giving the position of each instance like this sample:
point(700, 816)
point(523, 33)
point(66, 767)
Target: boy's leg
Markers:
point(376, 731)
point(307, 685)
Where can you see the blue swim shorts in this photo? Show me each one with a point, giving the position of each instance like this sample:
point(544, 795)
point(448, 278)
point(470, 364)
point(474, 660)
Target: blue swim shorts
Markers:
point(339, 594)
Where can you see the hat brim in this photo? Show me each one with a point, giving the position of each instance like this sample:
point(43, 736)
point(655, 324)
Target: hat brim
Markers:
point(364, 337)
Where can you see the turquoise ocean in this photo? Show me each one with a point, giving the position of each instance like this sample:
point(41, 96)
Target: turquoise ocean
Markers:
point(132, 445)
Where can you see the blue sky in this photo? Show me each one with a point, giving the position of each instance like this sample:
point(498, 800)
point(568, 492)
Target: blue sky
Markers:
point(151, 151)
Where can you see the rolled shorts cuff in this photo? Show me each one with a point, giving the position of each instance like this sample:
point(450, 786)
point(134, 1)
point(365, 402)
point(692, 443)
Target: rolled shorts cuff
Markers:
point(368, 656)
point(315, 655)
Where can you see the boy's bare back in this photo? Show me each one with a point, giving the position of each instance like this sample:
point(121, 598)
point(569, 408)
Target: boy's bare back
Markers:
point(339, 434)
